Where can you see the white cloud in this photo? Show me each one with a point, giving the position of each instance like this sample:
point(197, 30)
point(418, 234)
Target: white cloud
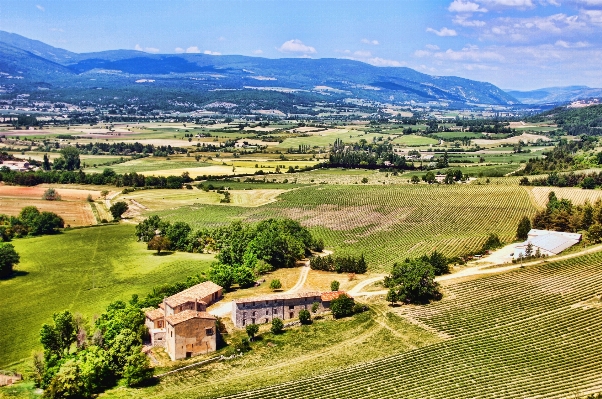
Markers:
point(296, 46)
point(193, 50)
point(373, 42)
point(258, 51)
point(508, 3)
point(432, 47)
point(179, 50)
point(209, 52)
point(562, 43)
point(382, 62)
point(592, 16)
point(469, 53)
point(39, 7)
point(465, 6)
point(442, 32)
point(362, 54)
point(422, 53)
point(146, 49)
point(463, 20)
point(590, 2)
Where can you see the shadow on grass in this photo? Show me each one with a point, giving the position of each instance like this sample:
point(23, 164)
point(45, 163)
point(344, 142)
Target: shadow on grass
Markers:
point(16, 273)
point(164, 253)
point(394, 305)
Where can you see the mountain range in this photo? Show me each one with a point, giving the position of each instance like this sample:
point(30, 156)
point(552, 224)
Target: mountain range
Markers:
point(35, 67)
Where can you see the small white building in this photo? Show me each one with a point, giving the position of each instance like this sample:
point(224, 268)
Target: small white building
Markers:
point(548, 242)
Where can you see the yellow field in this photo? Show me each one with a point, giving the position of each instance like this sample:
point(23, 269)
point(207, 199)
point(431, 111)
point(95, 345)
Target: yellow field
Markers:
point(577, 195)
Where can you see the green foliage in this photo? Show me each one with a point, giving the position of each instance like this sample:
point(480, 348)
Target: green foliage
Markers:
point(51, 195)
point(69, 159)
point(391, 296)
point(334, 285)
point(177, 233)
point(118, 209)
point(137, 370)
point(342, 306)
point(304, 316)
point(524, 226)
point(159, 243)
point(275, 284)
point(339, 264)
point(492, 242)
point(315, 306)
point(277, 325)
point(8, 258)
point(58, 338)
point(414, 281)
point(439, 262)
point(251, 330)
point(222, 275)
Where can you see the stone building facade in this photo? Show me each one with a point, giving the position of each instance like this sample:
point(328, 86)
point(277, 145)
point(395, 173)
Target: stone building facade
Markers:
point(180, 323)
point(261, 310)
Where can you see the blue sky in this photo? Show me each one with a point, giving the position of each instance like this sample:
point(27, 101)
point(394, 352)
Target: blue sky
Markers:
point(514, 44)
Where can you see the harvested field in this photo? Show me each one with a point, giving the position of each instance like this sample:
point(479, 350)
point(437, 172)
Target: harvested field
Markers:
point(73, 208)
point(526, 137)
point(577, 195)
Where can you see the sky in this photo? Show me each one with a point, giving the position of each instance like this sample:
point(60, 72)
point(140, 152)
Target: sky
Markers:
point(514, 44)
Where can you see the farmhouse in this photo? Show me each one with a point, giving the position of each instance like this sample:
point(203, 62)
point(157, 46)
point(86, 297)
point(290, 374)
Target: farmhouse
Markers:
point(181, 325)
point(548, 242)
point(17, 166)
point(261, 310)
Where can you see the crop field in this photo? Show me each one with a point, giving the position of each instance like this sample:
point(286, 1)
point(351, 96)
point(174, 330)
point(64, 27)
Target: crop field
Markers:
point(323, 139)
point(82, 270)
point(73, 207)
point(528, 333)
point(577, 195)
point(387, 223)
point(151, 164)
point(411, 140)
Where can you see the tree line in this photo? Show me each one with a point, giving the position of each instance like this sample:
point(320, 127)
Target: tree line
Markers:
point(30, 221)
point(245, 250)
point(339, 264)
point(588, 181)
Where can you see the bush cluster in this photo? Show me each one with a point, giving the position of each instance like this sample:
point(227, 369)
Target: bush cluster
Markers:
point(339, 264)
point(29, 222)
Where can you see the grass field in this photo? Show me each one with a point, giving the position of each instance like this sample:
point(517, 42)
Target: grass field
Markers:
point(81, 270)
point(73, 207)
point(324, 139)
point(151, 164)
point(411, 140)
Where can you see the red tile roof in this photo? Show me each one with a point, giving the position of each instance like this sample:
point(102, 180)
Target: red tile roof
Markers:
point(196, 292)
point(155, 314)
point(278, 297)
point(187, 315)
point(329, 296)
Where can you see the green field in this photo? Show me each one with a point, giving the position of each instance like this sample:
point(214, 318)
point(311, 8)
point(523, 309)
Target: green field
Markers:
point(387, 223)
point(326, 139)
point(81, 270)
point(151, 164)
point(411, 140)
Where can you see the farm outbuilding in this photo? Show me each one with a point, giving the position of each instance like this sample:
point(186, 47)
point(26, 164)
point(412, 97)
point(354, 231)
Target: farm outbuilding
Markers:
point(549, 243)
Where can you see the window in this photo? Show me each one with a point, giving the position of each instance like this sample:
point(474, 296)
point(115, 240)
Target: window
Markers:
point(171, 333)
point(209, 331)
point(266, 320)
point(243, 322)
point(291, 307)
point(267, 312)
point(274, 311)
point(254, 313)
point(291, 315)
point(253, 320)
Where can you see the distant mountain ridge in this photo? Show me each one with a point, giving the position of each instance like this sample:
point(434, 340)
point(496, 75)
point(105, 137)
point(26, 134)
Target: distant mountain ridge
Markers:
point(556, 95)
point(34, 63)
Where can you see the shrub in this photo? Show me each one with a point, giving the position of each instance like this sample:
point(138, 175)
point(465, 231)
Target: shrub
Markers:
point(51, 195)
point(334, 285)
point(252, 330)
point(277, 325)
point(342, 306)
point(275, 284)
point(305, 317)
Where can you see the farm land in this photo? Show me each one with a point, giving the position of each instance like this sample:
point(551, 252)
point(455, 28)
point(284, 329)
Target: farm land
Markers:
point(504, 335)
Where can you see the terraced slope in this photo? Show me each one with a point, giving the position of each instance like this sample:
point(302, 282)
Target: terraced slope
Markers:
point(531, 333)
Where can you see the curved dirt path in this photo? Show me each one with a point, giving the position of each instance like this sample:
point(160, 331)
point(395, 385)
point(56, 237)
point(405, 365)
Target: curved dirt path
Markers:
point(476, 270)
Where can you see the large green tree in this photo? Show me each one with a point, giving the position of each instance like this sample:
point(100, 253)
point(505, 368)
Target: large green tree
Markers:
point(69, 159)
point(8, 258)
point(524, 226)
point(414, 281)
point(118, 209)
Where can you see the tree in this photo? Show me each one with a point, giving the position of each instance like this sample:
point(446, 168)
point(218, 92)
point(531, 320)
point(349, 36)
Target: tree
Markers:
point(58, 338)
point(137, 370)
point(47, 223)
point(275, 285)
point(315, 306)
point(439, 262)
point(334, 285)
point(159, 243)
point(252, 330)
point(277, 325)
point(414, 281)
point(391, 296)
point(594, 233)
point(8, 258)
point(118, 209)
point(51, 195)
point(244, 277)
point(529, 250)
point(342, 306)
point(177, 234)
point(104, 194)
point(492, 242)
point(415, 179)
point(304, 316)
point(588, 183)
point(524, 226)
point(222, 275)
point(429, 177)
point(46, 163)
point(69, 159)
point(364, 180)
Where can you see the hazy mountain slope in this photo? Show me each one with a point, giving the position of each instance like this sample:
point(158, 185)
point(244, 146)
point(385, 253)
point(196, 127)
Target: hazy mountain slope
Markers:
point(551, 95)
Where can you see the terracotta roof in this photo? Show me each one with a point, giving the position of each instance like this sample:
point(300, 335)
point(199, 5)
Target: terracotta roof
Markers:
point(329, 296)
point(278, 297)
point(162, 306)
point(155, 314)
point(187, 315)
point(196, 292)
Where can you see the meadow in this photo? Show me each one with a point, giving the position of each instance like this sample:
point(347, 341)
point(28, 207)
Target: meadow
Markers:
point(82, 270)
